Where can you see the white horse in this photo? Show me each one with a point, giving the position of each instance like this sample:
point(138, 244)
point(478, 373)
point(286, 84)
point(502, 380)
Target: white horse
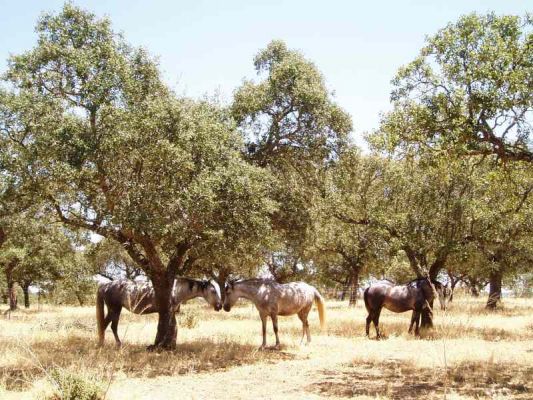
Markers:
point(139, 298)
point(273, 299)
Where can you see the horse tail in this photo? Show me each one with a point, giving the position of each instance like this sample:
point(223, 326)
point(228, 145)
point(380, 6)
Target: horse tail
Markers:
point(100, 316)
point(365, 297)
point(319, 300)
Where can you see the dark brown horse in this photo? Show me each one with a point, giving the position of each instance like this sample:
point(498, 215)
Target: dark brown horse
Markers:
point(139, 298)
point(416, 295)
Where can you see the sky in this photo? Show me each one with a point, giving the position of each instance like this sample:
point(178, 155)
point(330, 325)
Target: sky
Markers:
point(207, 47)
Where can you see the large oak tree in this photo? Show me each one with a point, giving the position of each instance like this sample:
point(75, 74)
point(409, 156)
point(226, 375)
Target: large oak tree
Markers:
point(114, 151)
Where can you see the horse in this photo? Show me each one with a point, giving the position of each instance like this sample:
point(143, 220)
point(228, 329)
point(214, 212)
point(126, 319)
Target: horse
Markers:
point(273, 299)
point(417, 295)
point(139, 298)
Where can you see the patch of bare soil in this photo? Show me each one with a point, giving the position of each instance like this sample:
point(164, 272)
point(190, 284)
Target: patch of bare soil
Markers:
point(398, 380)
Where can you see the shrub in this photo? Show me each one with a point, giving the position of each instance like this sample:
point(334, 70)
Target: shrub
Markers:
point(70, 386)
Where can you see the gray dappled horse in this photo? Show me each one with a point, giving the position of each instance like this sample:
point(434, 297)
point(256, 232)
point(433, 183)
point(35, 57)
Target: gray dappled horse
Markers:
point(139, 298)
point(273, 299)
point(416, 295)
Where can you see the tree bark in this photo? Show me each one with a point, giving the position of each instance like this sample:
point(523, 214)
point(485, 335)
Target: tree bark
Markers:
point(163, 281)
point(167, 329)
point(437, 265)
point(12, 293)
point(413, 262)
point(495, 290)
point(354, 286)
point(427, 317)
point(26, 290)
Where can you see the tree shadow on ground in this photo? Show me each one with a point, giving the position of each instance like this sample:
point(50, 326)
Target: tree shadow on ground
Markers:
point(400, 380)
point(78, 353)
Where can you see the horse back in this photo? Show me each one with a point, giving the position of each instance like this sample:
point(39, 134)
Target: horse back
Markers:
point(292, 297)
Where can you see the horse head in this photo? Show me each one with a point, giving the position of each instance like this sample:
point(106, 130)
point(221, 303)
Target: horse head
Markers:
point(211, 293)
point(230, 296)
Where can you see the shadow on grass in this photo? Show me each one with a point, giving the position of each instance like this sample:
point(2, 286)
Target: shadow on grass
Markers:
point(79, 353)
point(404, 381)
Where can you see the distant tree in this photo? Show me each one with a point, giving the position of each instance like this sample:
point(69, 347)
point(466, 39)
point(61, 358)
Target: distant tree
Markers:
point(293, 128)
point(75, 282)
point(468, 92)
point(34, 252)
point(500, 223)
point(345, 242)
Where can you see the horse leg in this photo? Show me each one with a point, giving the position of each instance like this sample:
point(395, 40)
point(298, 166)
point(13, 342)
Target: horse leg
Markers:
point(264, 327)
point(305, 325)
point(375, 319)
point(413, 319)
point(417, 328)
point(114, 325)
point(368, 320)
point(275, 326)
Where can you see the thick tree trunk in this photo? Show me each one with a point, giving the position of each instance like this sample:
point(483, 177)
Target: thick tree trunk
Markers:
point(354, 286)
point(427, 317)
point(495, 290)
point(413, 262)
point(26, 291)
point(167, 328)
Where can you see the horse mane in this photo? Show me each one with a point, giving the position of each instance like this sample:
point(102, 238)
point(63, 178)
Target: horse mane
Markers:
point(201, 283)
point(417, 280)
point(251, 280)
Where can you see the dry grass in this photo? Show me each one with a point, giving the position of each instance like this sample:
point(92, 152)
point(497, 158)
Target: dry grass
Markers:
point(470, 354)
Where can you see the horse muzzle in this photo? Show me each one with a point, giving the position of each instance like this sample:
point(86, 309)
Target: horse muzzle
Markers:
point(218, 307)
point(227, 307)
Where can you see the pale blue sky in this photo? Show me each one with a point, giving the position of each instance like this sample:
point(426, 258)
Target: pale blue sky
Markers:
point(207, 46)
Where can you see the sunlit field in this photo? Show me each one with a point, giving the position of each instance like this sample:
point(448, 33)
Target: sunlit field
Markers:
point(471, 353)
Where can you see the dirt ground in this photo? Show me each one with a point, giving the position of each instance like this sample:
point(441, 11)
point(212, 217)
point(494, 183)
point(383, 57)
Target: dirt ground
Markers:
point(470, 354)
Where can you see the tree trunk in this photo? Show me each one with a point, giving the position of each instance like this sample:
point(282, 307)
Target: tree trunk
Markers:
point(453, 283)
point(354, 286)
point(79, 297)
point(495, 290)
point(427, 317)
point(437, 265)
point(12, 292)
point(167, 328)
point(413, 262)
point(26, 291)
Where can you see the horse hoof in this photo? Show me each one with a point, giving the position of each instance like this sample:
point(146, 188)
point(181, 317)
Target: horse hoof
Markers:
point(262, 348)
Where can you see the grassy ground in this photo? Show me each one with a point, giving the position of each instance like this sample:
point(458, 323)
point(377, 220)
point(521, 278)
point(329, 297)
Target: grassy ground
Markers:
point(470, 354)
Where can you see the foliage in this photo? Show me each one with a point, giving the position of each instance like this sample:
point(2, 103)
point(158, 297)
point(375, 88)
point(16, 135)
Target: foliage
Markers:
point(468, 92)
point(115, 152)
point(71, 386)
